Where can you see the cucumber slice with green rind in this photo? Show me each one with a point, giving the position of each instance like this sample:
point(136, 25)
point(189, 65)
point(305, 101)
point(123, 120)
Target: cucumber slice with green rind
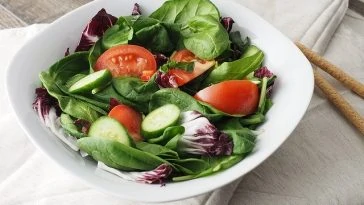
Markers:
point(91, 81)
point(110, 128)
point(159, 119)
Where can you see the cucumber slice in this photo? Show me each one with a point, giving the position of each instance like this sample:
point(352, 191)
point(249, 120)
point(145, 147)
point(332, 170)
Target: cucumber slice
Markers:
point(159, 119)
point(91, 81)
point(110, 128)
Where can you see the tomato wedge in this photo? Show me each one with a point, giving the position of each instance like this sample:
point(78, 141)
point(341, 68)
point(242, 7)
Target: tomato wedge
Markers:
point(182, 77)
point(129, 118)
point(236, 97)
point(128, 60)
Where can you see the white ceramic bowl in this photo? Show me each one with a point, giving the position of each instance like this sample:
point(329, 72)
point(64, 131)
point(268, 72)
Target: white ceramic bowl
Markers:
point(292, 94)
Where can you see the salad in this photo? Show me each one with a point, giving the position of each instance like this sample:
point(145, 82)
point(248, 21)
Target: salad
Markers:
point(171, 96)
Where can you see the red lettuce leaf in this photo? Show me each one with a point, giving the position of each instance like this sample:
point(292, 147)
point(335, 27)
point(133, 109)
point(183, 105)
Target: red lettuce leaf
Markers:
point(227, 22)
point(95, 29)
point(136, 10)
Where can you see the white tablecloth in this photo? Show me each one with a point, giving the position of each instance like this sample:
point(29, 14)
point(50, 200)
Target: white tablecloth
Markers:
point(313, 161)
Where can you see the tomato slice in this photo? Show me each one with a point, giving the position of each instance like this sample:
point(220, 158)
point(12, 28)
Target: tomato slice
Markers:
point(129, 118)
point(128, 60)
point(236, 97)
point(182, 77)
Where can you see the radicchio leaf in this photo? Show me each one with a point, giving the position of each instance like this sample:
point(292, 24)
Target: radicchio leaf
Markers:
point(67, 53)
point(95, 29)
point(113, 103)
point(157, 175)
point(83, 125)
point(43, 103)
point(136, 10)
point(227, 22)
point(203, 138)
point(263, 72)
point(160, 59)
point(166, 80)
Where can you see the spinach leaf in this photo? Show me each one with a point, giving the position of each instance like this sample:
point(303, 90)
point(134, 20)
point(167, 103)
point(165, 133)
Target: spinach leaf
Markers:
point(216, 164)
point(205, 37)
point(235, 70)
point(184, 101)
point(109, 92)
point(239, 44)
point(189, 165)
point(68, 124)
point(69, 66)
point(180, 11)
point(95, 51)
point(96, 104)
point(153, 34)
point(186, 66)
point(252, 120)
point(119, 156)
point(168, 134)
point(118, 34)
point(243, 138)
point(57, 77)
point(157, 150)
point(136, 91)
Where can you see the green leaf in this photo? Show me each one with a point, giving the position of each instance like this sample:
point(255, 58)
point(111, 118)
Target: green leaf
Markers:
point(263, 95)
point(183, 101)
point(168, 134)
point(236, 39)
point(68, 124)
point(205, 37)
point(216, 164)
point(69, 66)
point(157, 150)
point(186, 66)
point(152, 34)
point(136, 91)
point(235, 70)
point(119, 156)
point(69, 105)
point(95, 52)
point(190, 165)
point(180, 11)
point(118, 34)
point(243, 138)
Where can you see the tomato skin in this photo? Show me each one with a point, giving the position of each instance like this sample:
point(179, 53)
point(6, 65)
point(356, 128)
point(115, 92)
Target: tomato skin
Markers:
point(182, 77)
point(128, 60)
point(236, 97)
point(129, 118)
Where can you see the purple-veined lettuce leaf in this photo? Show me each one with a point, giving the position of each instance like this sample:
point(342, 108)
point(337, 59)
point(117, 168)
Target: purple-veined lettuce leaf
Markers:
point(83, 125)
point(136, 10)
point(43, 103)
point(263, 72)
point(227, 22)
point(157, 175)
point(67, 52)
point(95, 29)
point(160, 59)
point(203, 138)
point(113, 103)
point(166, 80)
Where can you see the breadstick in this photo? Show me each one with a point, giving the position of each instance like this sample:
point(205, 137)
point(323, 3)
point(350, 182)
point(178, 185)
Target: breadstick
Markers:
point(333, 70)
point(346, 109)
